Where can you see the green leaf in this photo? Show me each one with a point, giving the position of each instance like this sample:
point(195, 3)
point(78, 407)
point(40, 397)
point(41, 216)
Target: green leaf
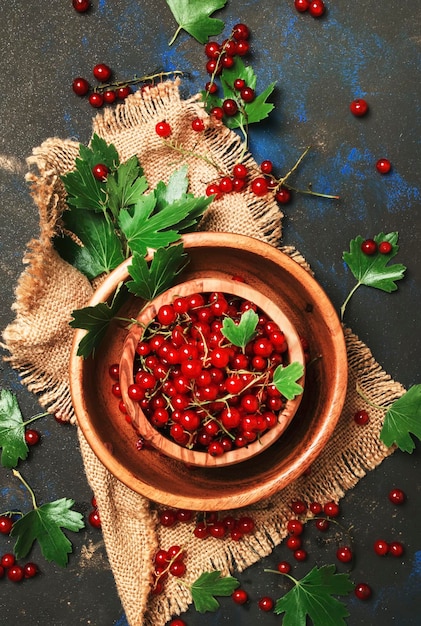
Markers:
point(12, 430)
point(84, 191)
point(44, 524)
point(312, 596)
point(208, 585)
point(193, 16)
point(285, 379)
point(151, 280)
point(243, 332)
point(125, 186)
point(402, 419)
point(95, 319)
point(175, 190)
point(102, 249)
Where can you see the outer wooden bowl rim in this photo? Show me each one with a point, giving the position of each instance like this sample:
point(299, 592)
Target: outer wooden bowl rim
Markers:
point(154, 436)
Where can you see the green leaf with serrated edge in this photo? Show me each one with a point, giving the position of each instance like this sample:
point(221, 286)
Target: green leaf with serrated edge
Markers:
point(312, 596)
point(12, 431)
point(374, 270)
point(149, 280)
point(238, 70)
point(125, 186)
point(243, 332)
point(193, 16)
point(95, 319)
point(176, 189)
point(285, 379)
point(44, 524)
point(402, 419)
point(209, 585)
point(255, 111)
point(189, 211)
point(83, 190)
point(102, 249)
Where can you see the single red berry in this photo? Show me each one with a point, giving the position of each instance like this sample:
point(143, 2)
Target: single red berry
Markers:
point(178, 568)
point(15, 573)
point(266, 167)
point(167, 518)
point(6, 524)
point(331, 509)
point(230, 107)
point(240, 171)
point(81, 6)
point(242, 48)
point(293, 542)
point(361, 417)
point(322, 525)
point(80, 86)
point(300, 555)
point(213, 190)
point(396, 548)
point(284, 567)
point(100, 171)
point(240, 596)
point(225, 184)
point(163, 129)
point(369, 247)
point(32, 436)
point(302, 5)
point(110, 96)
point(198, 125)
point(227, 61)
point(385, 247)
point(94, 518)
point(315, 508)
point(362, 591)
point(381, 547)
point(96, 99)
point(383, 166)
point(217, 113)
point(102, 72)
point(283, 195)
point(298, 507)
point(30, 570)
point(240, 32)
point(344, 554)
point(7, 560)
point(239, 84)
point(177, 622)
point(123, 92)
point(114, 371)
point(316, 8)
point(212, 49)
point(266, 603)
point(247, 94)
point(211, 87)
point(358, 107)
point(295, 527)
point(397, 496)
point(259, 186)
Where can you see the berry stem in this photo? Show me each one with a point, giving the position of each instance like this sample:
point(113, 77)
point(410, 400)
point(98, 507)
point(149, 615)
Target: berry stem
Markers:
point(361, 393)
point(136, 80)
point(11, 513)
point(23, 481)
point(191, 153)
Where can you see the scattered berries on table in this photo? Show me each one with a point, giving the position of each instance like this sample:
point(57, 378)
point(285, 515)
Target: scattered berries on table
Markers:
point(266, 603)
point(383, 166)
point(362, 591)
point(359, 107)
point(397, 496)
point(81, 6)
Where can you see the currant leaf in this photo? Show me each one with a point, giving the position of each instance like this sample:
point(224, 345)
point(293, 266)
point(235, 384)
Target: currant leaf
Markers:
point(101, 250)
point(151, 280)
point(44, 524)
point(125, 186)
point(373, 270)
point(285, 379)
point(402, 419)
point(312, 596)
point(209, 585)
point(193, 16)
point(12, 431)
point(95, 319)
point(243, 332)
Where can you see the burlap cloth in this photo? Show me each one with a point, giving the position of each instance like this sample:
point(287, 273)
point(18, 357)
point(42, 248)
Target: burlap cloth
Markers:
point(39, 341)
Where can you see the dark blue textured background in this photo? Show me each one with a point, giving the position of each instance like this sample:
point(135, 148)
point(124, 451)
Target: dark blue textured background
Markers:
point(359, 49)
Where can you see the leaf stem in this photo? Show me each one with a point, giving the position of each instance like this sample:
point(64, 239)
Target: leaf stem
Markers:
point(275, 571)
point(177, 32)
point(36, 417)
point(23, 481)
point(347, 299)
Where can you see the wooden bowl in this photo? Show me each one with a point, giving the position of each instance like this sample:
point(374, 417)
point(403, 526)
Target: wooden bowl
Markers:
point(156, 437)
point(172, 482)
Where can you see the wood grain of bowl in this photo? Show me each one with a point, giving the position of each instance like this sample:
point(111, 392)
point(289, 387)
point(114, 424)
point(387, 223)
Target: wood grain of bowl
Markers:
point(172, 482)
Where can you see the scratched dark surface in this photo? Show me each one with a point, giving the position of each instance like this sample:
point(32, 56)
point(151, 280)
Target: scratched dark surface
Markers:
point(358, 49)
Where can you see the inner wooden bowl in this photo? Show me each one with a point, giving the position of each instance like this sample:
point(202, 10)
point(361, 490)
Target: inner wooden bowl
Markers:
point(172, 482)
point(156, 437)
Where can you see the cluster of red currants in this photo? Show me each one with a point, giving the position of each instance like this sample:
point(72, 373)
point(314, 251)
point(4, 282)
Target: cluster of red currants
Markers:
point(167, 562)
point(104, 94)
point(198, 388)
point(14, 571)
point(316, 8)
point(93, 517)
point(370, 247)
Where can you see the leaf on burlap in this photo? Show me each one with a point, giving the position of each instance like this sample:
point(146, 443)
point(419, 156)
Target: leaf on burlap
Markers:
point(209, 585)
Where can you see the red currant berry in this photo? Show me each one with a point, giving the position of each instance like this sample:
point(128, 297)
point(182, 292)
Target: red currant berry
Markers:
point(385, 247)
point(239, 84)
point(114, 371)
point(358, 107)
point(266, 167)
point(225, 184)
point(396, 548)
point(315, 507)
point(213, 190)
point(96, 100)
point(102, 72)
point(198, 125)
point(7, 560)
point(362, 591)
point(94, 519)
point(227, 61)
point(298, 507)
point(240, 32)
point(246, 525)
point(284, 567)
point(167, 518)
point(6, 524)
point(331, 509)
point(178, 568)
point(230, 107)
point(369, 247)
point(212, 49)
point(295, 527)
point(316, 8)
point(283, 195)
point(110, 96)
point(397, 496)
point(100, 171)
point(240, 171)
point(81, 5)
point(240, 596)
point(163, 129)
point(383, 166)
point(177, 622)
point(32, 437)
point(211, 87)
point(259, 186)
point(300, 555)
point(80, 86)
point(302, 5)
point(15, 573)
point(381, 547)
point(344, 554)
point(322, 525)
point(123, 92)
point(293, 542)
point(266, 603)
point(242, 48)
point(361, 417)
point(30, 570)
point(247, 94)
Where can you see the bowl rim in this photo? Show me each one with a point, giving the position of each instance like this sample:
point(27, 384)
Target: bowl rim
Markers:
point(255, 492)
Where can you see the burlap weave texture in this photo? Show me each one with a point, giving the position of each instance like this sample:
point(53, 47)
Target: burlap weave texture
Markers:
point(128, 520)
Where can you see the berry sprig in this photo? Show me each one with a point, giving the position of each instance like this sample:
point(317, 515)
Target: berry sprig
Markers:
point(15, 572)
